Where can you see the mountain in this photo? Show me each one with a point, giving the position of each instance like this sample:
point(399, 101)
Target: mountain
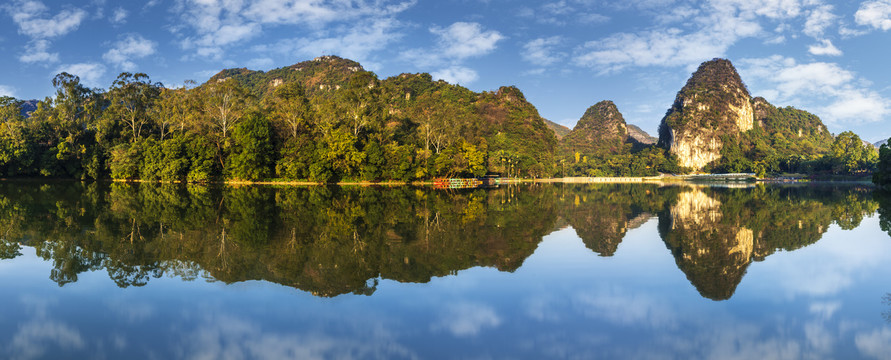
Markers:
point(789, 131)
point(879, 143)
point(415, 107)
point(641, 136)
point(601, 129)
point(715, 124)
point(712, 104)
point(559, 130)
point(28, 106)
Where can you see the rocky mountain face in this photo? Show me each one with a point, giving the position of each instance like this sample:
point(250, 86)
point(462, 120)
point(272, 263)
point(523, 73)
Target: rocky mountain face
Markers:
point(559, 130)
point(640, 135)
point(28, 106)
point(712, 104)
point(601, 129)
point(715, 107)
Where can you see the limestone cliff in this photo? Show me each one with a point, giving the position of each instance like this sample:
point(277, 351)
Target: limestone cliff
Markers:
point(713, 103)
point(601, 129)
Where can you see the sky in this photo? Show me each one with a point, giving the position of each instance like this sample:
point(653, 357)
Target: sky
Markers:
point(830, 58)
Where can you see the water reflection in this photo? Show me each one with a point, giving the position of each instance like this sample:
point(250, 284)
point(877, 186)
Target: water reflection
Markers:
point(334, 241)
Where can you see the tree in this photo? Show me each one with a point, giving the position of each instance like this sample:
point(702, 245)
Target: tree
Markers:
point(252, 156)
point(848, 154)
point(882, 175)
point(132, 96)
point(224, 104)
point(360, 100)
point(175, 107)
point(290, 106)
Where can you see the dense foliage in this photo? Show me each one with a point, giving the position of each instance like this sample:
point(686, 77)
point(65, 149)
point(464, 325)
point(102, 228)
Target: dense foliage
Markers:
point(323, 120)
point(328, 120)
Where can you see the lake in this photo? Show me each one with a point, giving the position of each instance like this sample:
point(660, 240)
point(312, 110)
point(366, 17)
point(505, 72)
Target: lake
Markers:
point(556, 271)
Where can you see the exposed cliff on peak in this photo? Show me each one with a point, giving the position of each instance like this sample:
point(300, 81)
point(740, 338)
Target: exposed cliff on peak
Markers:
point(712, 104)
point(714, 124)
point(640, 135)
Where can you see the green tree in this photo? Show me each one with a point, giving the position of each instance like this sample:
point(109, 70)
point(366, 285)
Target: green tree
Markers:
point(252, 157)
point(132, 97)
point(290, 106)
point(848, 154)
point(882, 176)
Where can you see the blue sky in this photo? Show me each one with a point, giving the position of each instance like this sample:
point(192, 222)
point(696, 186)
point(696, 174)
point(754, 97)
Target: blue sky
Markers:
point(828, 57)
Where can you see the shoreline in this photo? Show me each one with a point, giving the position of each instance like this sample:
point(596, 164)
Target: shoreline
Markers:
point(566, 180)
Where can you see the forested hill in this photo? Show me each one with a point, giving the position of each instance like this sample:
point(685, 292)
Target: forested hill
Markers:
point(321, 120)
point(327, 120)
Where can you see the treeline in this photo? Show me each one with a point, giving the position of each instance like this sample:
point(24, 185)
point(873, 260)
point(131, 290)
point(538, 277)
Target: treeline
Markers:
point(344, 126)
point(327, 120)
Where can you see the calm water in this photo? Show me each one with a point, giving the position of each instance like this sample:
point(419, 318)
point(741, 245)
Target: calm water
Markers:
point(112, 271)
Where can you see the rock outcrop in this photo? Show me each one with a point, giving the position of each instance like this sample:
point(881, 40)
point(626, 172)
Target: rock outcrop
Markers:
point(641, 136)
point(713, 103)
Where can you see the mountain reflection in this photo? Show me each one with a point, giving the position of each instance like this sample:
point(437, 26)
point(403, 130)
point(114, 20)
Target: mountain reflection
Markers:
point(331, 240)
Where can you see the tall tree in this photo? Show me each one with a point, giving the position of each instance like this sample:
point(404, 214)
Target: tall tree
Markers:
point(361, 102)
point(290, 106)
point(224, 104)
point(132, 96)
point(175, 108)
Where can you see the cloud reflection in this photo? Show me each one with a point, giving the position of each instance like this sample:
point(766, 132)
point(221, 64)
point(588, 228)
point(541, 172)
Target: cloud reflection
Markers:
point(468, 319)
point(876, 344)
point(231, 337)
point(35, 337)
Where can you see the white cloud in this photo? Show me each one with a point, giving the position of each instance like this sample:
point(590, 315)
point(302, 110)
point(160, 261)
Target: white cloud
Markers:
point(34, 21)
point(456, 75)
point(356, 42)
point(119, 16)
point(38, 51)
point(216, 24)
point(836, 94)
point(669, 47)
point(824, 47)
point(542, 51)
point(260, 63)
point(455, 44)
point(875, 14)
point(89, 73)
point(7, 91)
point(131, 47)
point(687, 33)
point(562, 11)
point(463, 40)
point(818, 20)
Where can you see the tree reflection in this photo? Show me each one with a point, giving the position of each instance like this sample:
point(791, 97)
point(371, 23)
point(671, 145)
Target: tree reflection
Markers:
point(887, 301)
point(340, 240)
